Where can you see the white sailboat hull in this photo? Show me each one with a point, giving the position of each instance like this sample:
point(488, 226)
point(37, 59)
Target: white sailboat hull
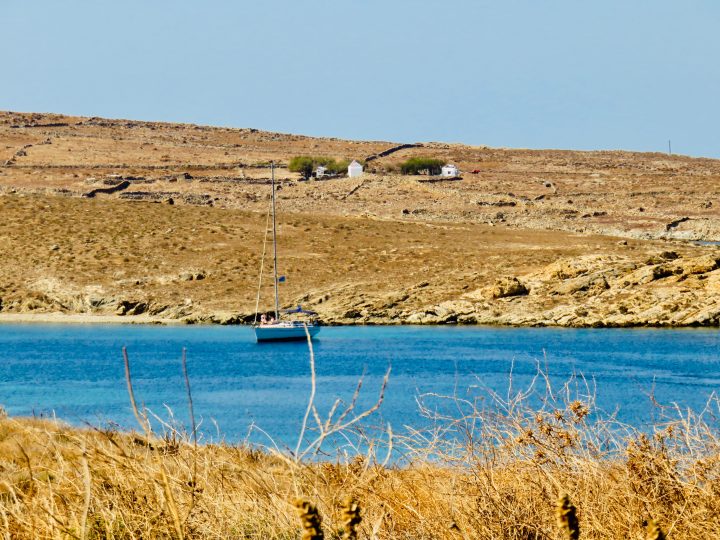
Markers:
point(284, 331)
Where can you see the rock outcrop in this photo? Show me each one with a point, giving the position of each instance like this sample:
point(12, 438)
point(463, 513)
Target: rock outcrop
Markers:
point(588, 291)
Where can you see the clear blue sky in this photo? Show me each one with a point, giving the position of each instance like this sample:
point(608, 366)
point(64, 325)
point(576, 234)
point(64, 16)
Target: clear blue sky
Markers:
point(525, 73)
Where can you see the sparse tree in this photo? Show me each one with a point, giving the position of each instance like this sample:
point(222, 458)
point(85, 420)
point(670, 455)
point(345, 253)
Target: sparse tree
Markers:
point(302, 164)
point(305, 165)
point(420, 165)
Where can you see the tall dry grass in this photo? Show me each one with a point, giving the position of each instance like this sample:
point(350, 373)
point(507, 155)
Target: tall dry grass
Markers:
point(533, 464)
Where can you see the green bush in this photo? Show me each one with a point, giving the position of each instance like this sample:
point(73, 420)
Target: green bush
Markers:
point(333, 166)
point(419, 165)
point(305, 165)
point(302, 164)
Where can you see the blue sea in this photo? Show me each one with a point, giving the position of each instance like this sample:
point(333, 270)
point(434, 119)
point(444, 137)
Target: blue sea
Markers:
point(258, 392)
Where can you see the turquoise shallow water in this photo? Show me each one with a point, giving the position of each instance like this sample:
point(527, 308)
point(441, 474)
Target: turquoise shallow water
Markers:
point(76, 372)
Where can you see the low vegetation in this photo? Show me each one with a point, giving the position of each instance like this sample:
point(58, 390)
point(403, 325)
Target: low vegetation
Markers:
point(306, 165)
point(421, 165)
point(538, 464)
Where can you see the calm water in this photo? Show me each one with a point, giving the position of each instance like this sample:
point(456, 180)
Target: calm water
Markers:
point(76, 372)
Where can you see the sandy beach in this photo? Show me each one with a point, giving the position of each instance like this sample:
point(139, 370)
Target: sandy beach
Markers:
point(81, 318)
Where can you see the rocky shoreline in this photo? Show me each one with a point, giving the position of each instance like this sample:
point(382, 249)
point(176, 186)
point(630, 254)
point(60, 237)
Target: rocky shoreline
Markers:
point(594, 291)
point(665, 290)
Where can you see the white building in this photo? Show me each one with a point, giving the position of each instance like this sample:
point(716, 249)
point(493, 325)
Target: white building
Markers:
point(450, 171)
point(320, 171)
point(354, 169)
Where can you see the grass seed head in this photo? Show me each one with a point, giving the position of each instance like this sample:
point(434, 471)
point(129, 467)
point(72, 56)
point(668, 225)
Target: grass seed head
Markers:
point(567, 518)
point(310, 520)
point(654, 532)
point(579, 409)
point(351, 518)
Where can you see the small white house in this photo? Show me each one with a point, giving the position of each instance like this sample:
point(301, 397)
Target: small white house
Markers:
point(450, 171)
point(354, 169)
point(320, 171)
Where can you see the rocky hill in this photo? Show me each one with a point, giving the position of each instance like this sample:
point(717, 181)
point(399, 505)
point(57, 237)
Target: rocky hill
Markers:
point(155, 221)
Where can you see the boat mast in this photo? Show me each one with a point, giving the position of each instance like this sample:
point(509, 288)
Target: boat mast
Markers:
point(272, 182)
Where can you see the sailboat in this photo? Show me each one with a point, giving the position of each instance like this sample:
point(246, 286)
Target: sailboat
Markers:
point(277, 328)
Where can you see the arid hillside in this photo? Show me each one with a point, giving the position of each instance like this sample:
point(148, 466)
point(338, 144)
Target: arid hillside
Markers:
point(166, 221)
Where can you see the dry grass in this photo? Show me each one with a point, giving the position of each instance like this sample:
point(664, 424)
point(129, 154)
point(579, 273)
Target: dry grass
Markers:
point(87, 256)
point(492, 470)
point(602, 192)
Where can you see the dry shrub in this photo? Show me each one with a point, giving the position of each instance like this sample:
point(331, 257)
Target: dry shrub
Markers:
point(491, 470)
